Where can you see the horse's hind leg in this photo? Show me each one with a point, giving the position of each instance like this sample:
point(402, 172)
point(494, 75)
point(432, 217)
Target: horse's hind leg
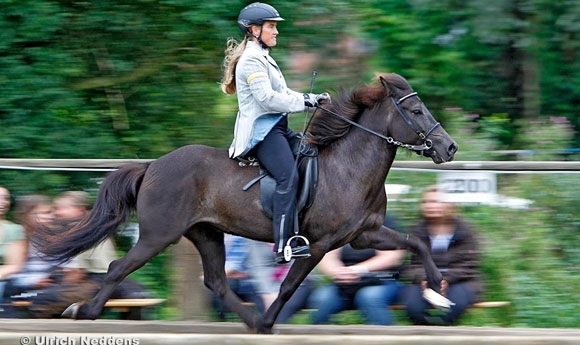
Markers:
point(210, 244)
point(136, 257)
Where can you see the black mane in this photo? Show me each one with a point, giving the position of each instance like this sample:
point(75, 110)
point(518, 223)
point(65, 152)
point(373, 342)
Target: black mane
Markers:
point(327, 128)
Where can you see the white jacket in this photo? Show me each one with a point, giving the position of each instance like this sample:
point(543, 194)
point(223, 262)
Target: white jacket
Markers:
point(263, 98)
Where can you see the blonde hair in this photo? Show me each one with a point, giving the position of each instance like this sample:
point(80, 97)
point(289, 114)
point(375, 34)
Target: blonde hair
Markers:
point(234, 50)
point(77, 198)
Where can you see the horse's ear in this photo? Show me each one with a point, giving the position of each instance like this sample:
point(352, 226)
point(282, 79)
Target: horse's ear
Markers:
point(386, 86)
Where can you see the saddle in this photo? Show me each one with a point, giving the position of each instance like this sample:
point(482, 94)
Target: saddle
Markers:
point(307, 166)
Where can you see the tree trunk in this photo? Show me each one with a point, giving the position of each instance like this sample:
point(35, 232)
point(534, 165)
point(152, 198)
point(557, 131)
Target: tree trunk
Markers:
point(190, 296)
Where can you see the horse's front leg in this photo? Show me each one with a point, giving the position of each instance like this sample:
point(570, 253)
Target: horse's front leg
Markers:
point(388, 239)
point(296, 275)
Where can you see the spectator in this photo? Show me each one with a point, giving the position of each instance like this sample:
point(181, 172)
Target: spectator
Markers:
point(80, 278)
point(33, 211)
point(359, 279)
point(268, 276)
point(239, 279)
point(454, 249)
point(71, 206)
point(12, 245)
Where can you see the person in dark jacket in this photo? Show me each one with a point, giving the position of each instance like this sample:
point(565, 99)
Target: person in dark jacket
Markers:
point(455, 251)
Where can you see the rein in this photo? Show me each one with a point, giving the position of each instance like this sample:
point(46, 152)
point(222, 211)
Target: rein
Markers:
point(427, 144)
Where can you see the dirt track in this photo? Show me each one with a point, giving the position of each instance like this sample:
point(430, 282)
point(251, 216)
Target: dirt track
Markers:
point(113, 332)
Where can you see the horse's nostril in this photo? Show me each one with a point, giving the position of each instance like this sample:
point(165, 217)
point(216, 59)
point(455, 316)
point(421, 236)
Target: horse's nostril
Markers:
point(452, 149)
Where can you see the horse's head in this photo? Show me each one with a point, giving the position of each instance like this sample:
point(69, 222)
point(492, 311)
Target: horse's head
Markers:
point(411, 124)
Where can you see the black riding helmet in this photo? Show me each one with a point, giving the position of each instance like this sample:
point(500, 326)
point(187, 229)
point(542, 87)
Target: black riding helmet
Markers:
point(256, 14)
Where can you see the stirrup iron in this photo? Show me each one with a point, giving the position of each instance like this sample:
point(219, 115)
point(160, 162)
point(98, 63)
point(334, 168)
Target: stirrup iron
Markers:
point(288, 249)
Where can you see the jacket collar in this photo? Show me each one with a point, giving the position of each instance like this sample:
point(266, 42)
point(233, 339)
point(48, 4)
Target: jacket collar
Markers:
point(256, 47)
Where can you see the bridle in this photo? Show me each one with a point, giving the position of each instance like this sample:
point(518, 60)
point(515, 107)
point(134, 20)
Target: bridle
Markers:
point(427, 143)
point(411, 123)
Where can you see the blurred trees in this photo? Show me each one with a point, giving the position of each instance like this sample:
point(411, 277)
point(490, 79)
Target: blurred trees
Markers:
point(514, 58)
point(113, 79)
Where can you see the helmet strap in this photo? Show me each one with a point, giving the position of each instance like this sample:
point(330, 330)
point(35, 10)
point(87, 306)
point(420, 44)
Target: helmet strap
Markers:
point(259, 38)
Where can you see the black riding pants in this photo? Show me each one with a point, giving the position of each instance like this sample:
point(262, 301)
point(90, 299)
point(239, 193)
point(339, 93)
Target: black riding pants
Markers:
point(275, 155)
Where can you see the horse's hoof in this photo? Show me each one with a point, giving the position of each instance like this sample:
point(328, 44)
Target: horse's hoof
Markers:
point(437, 300)
point(72, 311)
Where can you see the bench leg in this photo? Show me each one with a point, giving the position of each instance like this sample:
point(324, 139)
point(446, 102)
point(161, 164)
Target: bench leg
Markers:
point(134, 313)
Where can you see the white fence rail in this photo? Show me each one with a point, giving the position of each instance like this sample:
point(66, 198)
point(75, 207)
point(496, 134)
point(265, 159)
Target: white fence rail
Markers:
point(496, 166)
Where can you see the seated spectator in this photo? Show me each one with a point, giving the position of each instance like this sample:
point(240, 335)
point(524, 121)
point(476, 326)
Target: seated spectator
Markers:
point(239, 279)
point(13, 246)
point(80, 278)
point(454, 249)
point(268, 276)
point(362, 279)
point(33, 211)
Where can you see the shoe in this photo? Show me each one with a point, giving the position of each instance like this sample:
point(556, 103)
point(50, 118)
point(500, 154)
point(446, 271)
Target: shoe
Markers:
point(299, 252)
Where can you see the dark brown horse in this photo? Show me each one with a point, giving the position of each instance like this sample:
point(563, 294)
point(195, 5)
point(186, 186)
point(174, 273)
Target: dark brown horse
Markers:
point(196, 192)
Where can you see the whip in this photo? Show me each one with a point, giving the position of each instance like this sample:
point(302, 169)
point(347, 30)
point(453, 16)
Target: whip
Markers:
point(306, 121)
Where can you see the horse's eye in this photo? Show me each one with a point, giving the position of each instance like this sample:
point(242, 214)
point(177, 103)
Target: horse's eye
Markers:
point(417, 112)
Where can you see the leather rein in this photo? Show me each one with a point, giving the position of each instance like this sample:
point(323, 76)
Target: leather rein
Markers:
point(427, 143)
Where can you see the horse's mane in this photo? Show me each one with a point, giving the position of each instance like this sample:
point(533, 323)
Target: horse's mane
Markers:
point(326, 128)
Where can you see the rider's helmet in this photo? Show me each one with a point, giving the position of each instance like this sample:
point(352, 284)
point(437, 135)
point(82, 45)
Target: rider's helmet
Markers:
point(256, 14)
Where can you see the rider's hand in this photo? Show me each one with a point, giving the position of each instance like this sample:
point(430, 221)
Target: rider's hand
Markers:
point(313, 100)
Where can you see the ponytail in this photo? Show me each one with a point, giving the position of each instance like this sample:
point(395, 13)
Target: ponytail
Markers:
point(234, 50)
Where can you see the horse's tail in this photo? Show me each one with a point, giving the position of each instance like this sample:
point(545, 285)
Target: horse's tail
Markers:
point(113, 207)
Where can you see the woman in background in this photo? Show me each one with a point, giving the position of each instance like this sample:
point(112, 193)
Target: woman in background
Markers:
point(12, 242)
point(455, 251)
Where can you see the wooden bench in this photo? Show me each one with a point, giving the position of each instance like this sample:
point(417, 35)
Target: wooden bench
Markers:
point(130, 309)
point(490, 304)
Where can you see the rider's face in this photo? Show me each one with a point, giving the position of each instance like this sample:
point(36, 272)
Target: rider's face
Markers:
point(268, 34)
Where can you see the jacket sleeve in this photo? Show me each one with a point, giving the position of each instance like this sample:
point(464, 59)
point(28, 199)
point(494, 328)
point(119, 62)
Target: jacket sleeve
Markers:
point(414, 271)
point(255, 71)
point(464, 259)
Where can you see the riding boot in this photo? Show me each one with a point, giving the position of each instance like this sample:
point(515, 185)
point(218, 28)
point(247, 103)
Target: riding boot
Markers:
point(286, 244)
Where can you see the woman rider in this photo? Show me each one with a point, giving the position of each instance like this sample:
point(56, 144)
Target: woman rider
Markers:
point(264, 102)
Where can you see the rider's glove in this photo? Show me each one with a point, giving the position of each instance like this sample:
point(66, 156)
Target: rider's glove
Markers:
point(313, 100)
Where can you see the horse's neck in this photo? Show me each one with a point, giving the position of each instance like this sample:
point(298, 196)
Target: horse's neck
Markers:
point(363, 155)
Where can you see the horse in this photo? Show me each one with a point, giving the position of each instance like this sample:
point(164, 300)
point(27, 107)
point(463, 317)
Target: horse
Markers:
point(196, 192)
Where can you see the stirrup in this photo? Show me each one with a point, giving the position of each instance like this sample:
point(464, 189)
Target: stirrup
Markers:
point(288, 252)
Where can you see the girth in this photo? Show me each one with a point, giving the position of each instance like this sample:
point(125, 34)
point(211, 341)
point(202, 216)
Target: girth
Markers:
point(307, 166)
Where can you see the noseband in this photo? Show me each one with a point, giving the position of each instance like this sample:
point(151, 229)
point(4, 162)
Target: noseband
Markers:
point(427, 144)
